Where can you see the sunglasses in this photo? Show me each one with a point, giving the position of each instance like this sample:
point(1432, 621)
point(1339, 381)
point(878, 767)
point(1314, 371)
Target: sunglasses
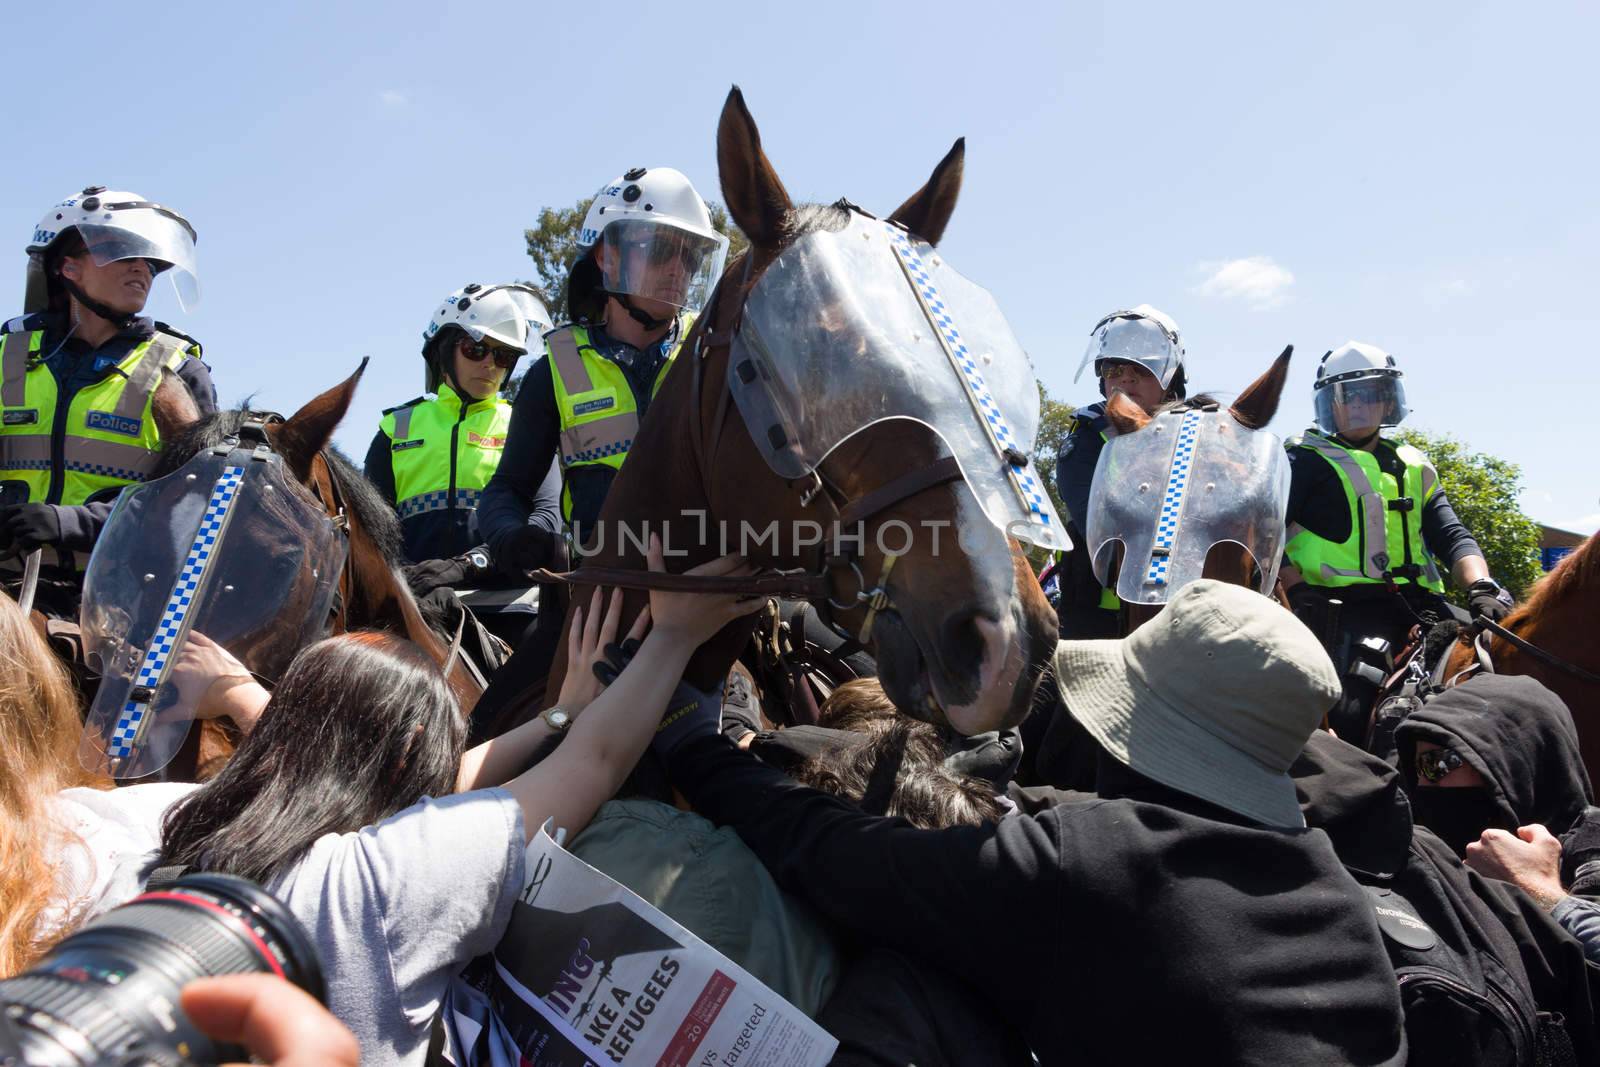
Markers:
point(504, 358)
point(660, 253)
point(1435, 763)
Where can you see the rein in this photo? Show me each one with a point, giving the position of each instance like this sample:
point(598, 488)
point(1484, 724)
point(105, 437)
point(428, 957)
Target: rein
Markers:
point(1548, 659)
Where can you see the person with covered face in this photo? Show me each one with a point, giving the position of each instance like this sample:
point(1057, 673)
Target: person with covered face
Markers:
point(1492, 766)
point(1371, 531)
point(88, 384)
point(1138, 353)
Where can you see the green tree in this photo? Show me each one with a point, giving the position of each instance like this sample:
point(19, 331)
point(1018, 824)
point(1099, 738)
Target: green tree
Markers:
point(553, 245)
point(1483, 489)
point(1055, 423)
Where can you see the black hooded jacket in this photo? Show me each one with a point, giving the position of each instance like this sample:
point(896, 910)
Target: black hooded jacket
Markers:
point(1520, 737)
point(1488, 932)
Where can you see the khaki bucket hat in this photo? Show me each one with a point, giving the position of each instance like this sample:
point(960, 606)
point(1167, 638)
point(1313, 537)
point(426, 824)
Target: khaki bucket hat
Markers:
point(1214, 697)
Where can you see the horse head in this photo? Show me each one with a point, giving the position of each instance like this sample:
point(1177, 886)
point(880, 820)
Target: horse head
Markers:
point(1192, 490)
point(960, 627)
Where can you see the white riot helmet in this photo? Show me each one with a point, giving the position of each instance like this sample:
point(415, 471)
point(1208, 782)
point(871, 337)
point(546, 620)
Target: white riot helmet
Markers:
point(1359, 374)
point(659, 238)
point(115, 225)
point(1141, 335)
point(510, 317)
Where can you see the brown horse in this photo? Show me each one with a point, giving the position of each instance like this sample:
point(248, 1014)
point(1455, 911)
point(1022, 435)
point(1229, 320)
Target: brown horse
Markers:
point(1253, 410)
point(1561, 618)
point(961, 635)
point(372, 594)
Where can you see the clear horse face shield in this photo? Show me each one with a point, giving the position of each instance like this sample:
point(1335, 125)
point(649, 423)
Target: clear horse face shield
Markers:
point(227, 547)
point(1168, 494)
point(850, 328)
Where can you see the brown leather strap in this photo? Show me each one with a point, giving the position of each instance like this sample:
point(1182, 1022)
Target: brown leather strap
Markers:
point(902, 488)
point(804, 586)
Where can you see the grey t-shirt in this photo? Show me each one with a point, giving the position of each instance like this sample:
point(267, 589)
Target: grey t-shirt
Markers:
point(398, 908)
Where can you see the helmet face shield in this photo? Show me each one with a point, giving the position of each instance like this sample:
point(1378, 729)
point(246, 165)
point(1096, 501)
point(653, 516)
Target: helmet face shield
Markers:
point(1134, 337)
point(655, 260)
point(151, 234)
point(1359, 406)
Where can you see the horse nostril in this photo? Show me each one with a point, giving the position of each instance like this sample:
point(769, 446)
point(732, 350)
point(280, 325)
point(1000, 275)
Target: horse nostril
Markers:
point(963, 643)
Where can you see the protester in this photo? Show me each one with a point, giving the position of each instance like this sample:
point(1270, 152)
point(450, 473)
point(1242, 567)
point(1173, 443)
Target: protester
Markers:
point(339, 804)
point(90, 384)
point(1140, 354)
point(433, 455)
point(1530, 859)
point(1182, 914)
point(69, 849)
point(1369, 525)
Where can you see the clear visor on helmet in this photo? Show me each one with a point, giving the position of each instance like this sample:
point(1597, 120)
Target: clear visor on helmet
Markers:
point(655, 260)
point(147, 233)
point(533, 311)
point(1132, 340)
point(1356, 408)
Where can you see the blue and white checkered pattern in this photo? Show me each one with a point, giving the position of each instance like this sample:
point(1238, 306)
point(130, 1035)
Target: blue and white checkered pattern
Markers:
point(438, 500)
point(105, 471)
point(126, 733)
point(1172, 500)
point(589, 455)
point(999, 430)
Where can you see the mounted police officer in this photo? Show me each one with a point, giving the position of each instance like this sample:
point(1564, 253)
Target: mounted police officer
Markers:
point(648, 259)
point(87, 378)
point(432, 456)
point(1369, 526)
point(1139, 353)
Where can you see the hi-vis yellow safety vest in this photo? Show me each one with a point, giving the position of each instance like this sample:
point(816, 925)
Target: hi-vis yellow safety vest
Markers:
point(106, 437)
point(443, 454)
point(1385, 542)
point(599, 418)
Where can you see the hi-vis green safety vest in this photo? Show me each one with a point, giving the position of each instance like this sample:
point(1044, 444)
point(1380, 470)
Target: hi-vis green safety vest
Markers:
point(599, 418)
point(443, 454)
point(107, 434)
point(1385, 541)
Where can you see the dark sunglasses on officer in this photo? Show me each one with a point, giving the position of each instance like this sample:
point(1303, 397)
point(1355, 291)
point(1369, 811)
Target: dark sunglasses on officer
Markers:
point(504, 358)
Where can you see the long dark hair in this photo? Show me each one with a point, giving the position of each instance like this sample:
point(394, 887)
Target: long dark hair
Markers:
point(362, 726)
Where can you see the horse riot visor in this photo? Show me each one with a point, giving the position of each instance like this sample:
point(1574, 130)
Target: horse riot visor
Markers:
point(227, 546)
point(1172, 491)
point(853, 327)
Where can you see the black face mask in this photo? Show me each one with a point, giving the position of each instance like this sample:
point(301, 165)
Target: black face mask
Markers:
point(1458, 815)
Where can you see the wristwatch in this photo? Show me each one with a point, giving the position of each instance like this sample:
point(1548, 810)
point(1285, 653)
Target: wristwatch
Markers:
point(557, 718)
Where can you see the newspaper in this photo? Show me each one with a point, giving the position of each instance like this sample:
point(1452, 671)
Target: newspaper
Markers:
point(588, 974)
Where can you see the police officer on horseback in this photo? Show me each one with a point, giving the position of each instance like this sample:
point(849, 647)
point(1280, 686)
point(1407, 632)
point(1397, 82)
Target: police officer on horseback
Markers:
point(1139, 353)
point(1369, 526)
point(648, 259)
point(86, 377)
point(432, 456)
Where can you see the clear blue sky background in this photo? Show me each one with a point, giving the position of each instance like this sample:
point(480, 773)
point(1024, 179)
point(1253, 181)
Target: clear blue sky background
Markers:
point(1421, 176)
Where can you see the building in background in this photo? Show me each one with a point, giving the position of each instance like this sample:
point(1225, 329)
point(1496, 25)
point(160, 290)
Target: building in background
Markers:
point(1555, 544)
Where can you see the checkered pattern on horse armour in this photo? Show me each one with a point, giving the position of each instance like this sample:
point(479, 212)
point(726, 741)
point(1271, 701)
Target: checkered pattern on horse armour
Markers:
point(438, 500)
point(1172, 500)
point(177, 610)
point(971, 376)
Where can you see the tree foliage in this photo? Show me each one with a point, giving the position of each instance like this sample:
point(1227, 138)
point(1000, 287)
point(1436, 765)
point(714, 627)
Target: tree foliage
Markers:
point(1483, 490)
point(553, 245)
point(1055, 422)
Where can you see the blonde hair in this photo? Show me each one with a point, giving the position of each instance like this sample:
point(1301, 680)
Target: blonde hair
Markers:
point(39, 731)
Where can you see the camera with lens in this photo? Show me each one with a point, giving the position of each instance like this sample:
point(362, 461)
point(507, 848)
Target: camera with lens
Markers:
point(108, 994)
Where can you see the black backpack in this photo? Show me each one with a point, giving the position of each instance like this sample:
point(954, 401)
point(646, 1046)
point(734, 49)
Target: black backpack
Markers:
point(1463, 987)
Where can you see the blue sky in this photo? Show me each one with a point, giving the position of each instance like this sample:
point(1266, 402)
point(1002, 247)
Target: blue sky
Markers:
point(1420, 176)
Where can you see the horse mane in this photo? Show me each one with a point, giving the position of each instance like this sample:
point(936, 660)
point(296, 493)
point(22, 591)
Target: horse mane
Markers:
point(1198, 402)
point(1580, 570)
point(361, 497)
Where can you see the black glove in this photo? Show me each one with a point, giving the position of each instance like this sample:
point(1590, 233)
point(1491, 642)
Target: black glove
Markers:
point(1580, 853)
point(529, 549)
point(1488, 599)
point(26, 527)
point(689, 712)
point(461, 572)
point(1304, 598)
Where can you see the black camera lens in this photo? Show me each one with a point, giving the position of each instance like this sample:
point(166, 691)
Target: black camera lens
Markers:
point(109, 993)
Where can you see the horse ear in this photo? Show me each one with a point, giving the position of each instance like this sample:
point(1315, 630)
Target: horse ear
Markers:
point(755, 197)
point(1125, 415)
point(1259, 402)
point(928, 211)
point(309, 430)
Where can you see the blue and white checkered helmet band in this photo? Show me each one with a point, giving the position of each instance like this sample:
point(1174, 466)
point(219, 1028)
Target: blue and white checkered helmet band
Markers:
point(1026, 485)
point(1172, 499)
point(170, 628)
